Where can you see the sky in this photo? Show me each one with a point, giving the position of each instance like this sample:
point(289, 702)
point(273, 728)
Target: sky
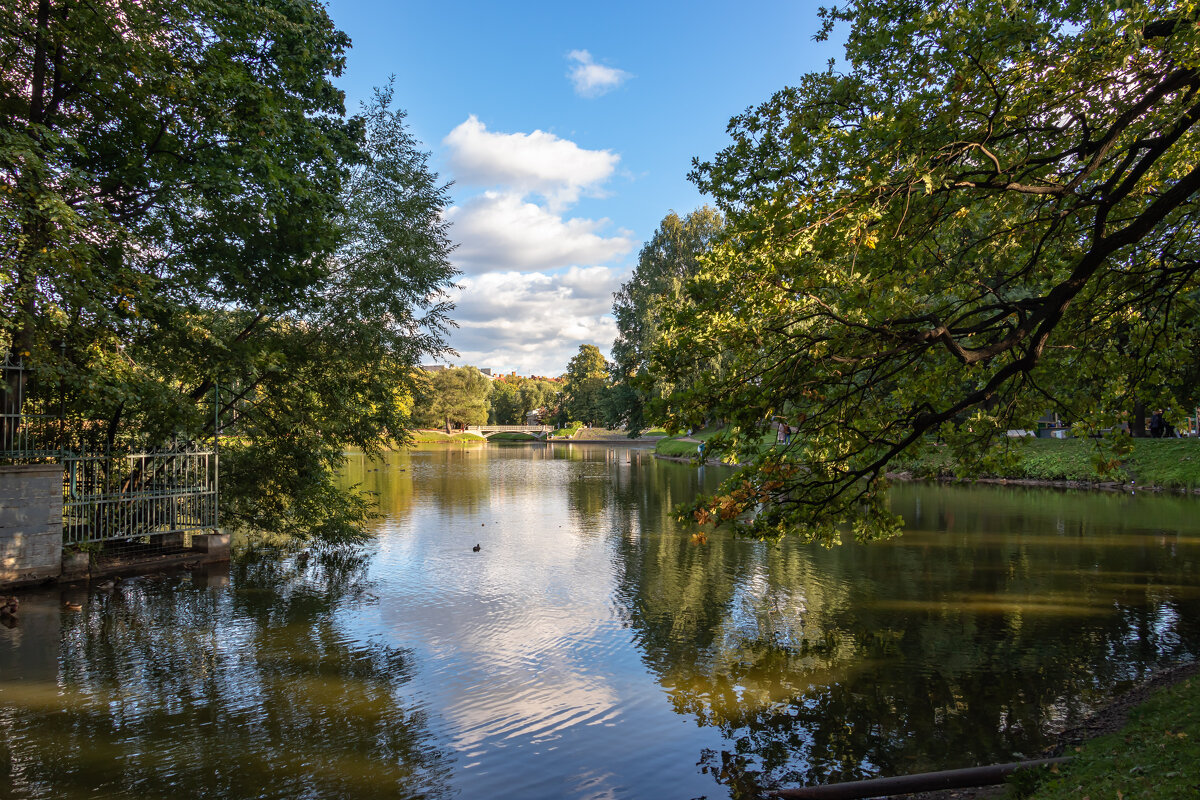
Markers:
point(567, 131)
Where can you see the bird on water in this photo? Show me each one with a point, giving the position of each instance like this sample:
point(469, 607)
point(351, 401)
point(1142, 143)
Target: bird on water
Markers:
point(475, 548)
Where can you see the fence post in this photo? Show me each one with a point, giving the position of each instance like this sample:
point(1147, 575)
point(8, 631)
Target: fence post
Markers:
point(216, 456)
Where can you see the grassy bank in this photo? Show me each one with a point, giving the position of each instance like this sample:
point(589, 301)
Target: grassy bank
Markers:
point(570, 430)
point(1169, 463)
point(1165, 463)
point(432, 437)
point(1155, 756)
point(512, 436)
point(685, 446)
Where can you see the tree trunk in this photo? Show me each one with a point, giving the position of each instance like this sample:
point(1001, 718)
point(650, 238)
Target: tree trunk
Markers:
point(1137, 425)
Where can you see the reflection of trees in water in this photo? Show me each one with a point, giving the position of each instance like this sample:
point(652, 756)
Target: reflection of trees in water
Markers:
point(635, 491)
point(942, 649)
point(388, 479)
point(453, 477)
point(591, 484)
point(256, 692)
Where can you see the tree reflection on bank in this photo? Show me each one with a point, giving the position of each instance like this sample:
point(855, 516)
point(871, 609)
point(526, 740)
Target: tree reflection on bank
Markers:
point(945, 648)
point(166, 686)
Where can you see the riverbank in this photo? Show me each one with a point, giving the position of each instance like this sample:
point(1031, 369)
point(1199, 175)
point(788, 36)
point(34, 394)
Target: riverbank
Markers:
point(441, 437)
point(581, 435)
point(1150, 465)
point(1158, 464)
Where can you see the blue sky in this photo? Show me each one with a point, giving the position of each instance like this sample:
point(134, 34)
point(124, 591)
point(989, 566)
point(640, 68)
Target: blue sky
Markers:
point(568, 131)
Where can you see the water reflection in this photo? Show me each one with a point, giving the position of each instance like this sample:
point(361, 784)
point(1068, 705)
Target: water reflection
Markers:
point(964, 642)
point(595, 648)
point(174, 684)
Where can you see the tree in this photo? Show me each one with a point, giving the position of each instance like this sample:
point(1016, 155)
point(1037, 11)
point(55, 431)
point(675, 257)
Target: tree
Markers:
point(512, 398)
point(454, 396)
point(161, 151)
point(339, 369)
point(665, 263)
point(536, 393)
point(503, 405)
point(991, 212)
point(185, 205)
point(587, 380)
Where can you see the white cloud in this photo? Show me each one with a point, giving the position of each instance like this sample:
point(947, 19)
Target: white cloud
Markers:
point(532, 290)
point(591, 79)
point(500, 231)
point(538, 162)
point(534, 322)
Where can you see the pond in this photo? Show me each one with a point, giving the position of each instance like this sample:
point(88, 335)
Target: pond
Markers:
point(592, 647)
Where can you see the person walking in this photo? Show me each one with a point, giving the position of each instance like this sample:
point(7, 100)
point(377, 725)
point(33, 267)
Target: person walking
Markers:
point(1158, 424)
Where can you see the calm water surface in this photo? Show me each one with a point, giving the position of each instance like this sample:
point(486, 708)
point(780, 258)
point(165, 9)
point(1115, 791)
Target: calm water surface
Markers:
point(592, 648)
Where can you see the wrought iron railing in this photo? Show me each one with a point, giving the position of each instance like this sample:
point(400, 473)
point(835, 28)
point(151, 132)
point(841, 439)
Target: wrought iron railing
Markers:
point(110, 495)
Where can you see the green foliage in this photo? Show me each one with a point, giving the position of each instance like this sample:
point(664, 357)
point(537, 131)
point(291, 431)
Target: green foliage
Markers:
point(1154, 756)
point(186, 205)
point(665, 263)
point(989, 214)
point(503, 408)
point(454, 396)
point(513, 398)
point(584, 394)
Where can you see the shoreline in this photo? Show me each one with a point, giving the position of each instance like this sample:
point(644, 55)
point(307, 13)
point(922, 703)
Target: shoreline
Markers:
point(1039, 483)
point(1032, 483)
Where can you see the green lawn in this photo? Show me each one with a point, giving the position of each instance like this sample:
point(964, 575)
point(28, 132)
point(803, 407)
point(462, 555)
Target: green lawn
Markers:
point(1169, 463)
point(676, 446)
point(512, 436)
point(430, 436)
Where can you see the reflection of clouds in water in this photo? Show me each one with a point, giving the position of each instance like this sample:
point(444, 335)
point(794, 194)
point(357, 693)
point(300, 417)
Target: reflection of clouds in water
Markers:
point(759, 611)
point(512, 634)
point(557, 700)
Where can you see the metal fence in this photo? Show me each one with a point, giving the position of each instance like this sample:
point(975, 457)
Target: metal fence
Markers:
point(111, 497)
point(129, 497)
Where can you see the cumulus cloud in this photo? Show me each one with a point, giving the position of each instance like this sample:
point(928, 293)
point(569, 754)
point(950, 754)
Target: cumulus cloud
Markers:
point(534, 322)
point(538, 162)
point(532, 290)
point(498, 231)
point(591, 79)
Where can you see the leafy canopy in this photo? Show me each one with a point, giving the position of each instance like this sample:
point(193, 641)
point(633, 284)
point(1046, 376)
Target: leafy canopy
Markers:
point(989, 213)
point(453, 396)
point(586, 388)
point(185, 203)
point(665, 263)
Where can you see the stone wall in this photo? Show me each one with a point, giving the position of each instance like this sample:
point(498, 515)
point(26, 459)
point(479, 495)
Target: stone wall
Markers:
point(30, 523)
